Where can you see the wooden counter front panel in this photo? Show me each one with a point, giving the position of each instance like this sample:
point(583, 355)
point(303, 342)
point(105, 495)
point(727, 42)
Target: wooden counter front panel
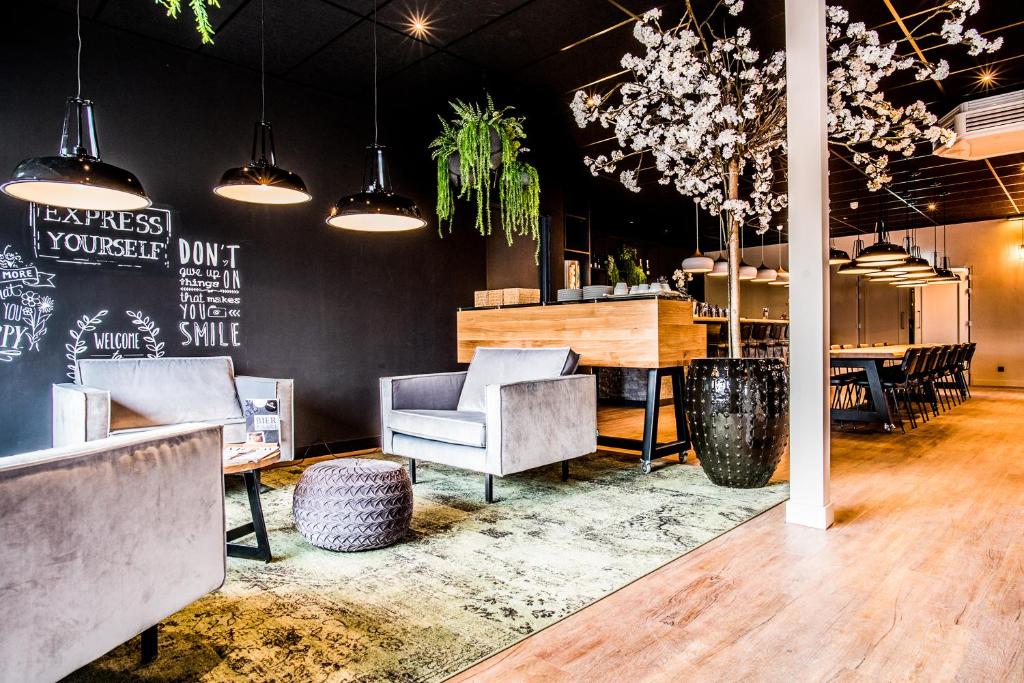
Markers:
point(651, 333)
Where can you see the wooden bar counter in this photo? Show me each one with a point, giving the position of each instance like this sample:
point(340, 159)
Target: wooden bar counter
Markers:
point(656, 333)
point(640, 332)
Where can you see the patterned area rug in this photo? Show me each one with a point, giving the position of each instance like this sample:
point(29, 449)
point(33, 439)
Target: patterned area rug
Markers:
point(469, 580)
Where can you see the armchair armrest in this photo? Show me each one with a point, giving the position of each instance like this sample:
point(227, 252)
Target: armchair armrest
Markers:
point(283, 390)
point(437, 391)
point(80, 414)
point(540, 422)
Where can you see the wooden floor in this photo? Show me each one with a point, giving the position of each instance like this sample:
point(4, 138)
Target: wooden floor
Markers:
point(920, 578)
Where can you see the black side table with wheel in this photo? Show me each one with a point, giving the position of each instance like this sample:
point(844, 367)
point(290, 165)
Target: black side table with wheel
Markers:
point(648, 446)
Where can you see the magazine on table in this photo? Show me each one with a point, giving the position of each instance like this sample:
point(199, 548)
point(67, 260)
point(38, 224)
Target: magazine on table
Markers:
point(262, 421)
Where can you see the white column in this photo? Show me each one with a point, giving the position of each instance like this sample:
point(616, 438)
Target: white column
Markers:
point(809, 502)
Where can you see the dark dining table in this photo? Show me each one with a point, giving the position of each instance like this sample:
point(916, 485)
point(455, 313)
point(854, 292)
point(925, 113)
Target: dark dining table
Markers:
point(871, 360)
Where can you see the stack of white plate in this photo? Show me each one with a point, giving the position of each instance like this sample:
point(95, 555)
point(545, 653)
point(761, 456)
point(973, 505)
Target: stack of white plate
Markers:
point(570, 295)
point(596, 291)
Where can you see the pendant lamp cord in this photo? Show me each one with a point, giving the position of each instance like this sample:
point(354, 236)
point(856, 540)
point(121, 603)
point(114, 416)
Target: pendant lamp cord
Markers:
point(263, 66)
point(375, 72)
point(696, 224)
point(78, 33)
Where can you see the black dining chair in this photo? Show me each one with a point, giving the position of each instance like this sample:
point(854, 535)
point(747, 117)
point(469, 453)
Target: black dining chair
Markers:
point(899, 383)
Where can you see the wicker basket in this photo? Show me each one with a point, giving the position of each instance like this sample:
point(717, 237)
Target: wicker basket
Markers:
point(487, 297)
point(519, 295)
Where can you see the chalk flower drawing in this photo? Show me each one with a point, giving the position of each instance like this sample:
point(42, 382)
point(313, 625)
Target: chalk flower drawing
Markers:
point(24, 312)
point(35, 317)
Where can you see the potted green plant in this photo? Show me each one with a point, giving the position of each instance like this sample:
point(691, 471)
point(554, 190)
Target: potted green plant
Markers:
point(477, 149)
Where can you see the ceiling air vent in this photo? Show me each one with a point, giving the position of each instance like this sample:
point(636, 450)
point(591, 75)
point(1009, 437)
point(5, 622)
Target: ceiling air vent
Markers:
point(988, 127)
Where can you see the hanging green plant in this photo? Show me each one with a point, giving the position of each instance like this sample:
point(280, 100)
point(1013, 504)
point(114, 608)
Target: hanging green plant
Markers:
point(203, 25)
point(469, 152)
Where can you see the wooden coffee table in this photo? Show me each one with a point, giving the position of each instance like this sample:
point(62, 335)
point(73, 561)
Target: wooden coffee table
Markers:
point(248, 460)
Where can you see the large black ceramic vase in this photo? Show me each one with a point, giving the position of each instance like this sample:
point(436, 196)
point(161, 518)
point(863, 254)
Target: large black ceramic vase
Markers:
point(738, 410)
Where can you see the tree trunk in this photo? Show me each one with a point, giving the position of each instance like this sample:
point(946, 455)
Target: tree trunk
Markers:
point(735, 340)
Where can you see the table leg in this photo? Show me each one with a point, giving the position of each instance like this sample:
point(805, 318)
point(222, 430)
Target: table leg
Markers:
point(880, 413)
point(651, 411)
point(679, 409)
point(878, 397)
point(261, 551)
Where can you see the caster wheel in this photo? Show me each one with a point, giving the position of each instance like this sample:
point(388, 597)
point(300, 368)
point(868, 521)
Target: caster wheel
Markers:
point(645, 467)
point(888, 428)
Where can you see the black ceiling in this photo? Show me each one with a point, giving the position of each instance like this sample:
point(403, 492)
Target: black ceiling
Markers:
point(554, 47)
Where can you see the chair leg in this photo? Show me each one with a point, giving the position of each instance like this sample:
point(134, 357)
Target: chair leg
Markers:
point(412, 469)
point(489, 488)
point(565, 470)
point(149, 644)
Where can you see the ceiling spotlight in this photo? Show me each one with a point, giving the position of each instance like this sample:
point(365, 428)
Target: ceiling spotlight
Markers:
point(419, 26)
point(931, 206)
point(854, 205)
point(987, 79)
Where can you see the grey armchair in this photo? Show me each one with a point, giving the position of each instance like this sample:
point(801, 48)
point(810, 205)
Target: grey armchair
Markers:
point(101, 541)
point(117, 396)
point(513, 410)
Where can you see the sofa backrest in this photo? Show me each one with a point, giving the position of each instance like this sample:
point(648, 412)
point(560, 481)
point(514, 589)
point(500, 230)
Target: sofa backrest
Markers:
point(505, 366)
point(146, 392)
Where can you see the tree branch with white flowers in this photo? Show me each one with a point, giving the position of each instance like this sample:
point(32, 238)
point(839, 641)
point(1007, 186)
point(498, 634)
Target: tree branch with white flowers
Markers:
point(707, 112)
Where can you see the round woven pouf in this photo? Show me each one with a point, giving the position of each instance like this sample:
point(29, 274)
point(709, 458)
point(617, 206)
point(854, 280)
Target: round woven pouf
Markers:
point(350, 505)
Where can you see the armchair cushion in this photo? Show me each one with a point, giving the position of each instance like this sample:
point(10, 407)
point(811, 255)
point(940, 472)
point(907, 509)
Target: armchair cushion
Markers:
point(162, 391)
point(450, 426)
point(507, 366)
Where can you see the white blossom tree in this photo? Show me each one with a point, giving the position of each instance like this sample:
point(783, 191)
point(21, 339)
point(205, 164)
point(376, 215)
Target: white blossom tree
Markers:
point(707, 112)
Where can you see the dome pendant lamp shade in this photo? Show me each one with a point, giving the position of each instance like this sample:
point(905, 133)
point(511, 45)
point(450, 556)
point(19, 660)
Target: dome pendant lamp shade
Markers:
point(720, 268)
point(765, 274)
point(262, 181)
point(882, 251)
point(377, 208)
point(76, 178)
point(747, 271)
point(781, 278)
point(837, 257)
point(698, 263)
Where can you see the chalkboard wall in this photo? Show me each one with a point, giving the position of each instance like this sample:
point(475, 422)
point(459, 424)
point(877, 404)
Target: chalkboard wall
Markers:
point(274, 287)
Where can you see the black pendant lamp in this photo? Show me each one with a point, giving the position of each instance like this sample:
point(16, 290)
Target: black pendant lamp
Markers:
point(854, 267)
point(76, 178)
point(943, 273)
point(836, 256)
point(882, 252)
point(262, 181)
point(377, 208)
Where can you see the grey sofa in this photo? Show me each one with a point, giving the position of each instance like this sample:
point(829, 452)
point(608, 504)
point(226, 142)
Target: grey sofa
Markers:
point(118, 396)
point(512, 410)
point(101, 541)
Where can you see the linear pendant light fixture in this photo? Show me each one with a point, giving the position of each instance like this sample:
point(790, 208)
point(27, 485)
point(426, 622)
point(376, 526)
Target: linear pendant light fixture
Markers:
point(698, 263)
point(77, 178)
point(377, 208)
point(262, 181)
